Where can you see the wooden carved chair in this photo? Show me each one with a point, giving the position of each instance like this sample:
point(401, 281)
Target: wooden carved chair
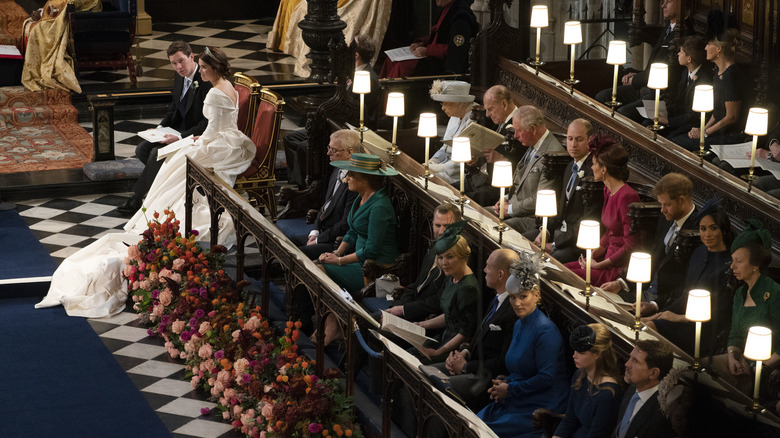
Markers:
point(103, 40)
point(248, 89)
point(259, 180)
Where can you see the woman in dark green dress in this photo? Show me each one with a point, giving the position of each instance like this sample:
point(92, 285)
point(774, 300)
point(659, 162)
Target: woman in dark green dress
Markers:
point(371, 232)
point(756, 303)
point(458, 298)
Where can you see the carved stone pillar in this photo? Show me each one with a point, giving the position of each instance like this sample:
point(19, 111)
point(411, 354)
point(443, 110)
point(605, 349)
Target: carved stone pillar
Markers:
point(320, 24)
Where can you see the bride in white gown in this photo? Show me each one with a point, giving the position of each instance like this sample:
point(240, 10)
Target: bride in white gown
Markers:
point(89, 282)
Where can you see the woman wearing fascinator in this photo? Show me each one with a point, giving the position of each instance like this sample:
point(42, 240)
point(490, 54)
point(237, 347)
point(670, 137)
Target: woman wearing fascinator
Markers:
point(89, 282)
point(610, 165)
point(595, 393)
point(534, 360)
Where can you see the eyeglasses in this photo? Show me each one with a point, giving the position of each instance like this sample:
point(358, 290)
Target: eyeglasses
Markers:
point(333, 150)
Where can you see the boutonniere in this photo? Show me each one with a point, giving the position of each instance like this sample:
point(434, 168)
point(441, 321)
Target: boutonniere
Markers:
point(580, 174)
point(195, 85)
point(766, 296)
point(695, 77)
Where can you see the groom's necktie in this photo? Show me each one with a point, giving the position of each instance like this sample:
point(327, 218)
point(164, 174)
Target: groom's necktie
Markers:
point(187, 82)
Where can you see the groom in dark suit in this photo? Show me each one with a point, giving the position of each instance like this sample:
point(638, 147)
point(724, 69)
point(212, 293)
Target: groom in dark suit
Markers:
point(331, 219)
point(472, 367)
point(564, 228)
point(185, 115)
point(640, 413)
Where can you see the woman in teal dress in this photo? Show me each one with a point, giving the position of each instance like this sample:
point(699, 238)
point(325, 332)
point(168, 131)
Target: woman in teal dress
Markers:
point(756, 302)
point(371, 232)
point(458, 298)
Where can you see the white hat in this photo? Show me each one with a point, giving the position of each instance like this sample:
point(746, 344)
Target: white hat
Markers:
point(451, 91)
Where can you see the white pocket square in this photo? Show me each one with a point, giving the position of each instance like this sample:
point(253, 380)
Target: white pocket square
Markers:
point(494, 328)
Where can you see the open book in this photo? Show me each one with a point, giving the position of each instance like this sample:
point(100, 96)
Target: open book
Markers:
point(481, 138)
point(647, 110)
point(167, 151)
point(409, 332)
point(157, 135)
point(400, 54)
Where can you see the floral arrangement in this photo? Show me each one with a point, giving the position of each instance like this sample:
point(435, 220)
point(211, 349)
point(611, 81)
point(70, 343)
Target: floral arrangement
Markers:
point(261, 384)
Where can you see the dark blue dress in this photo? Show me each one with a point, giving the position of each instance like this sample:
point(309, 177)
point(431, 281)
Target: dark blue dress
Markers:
point(537, 378)
point(591, 413)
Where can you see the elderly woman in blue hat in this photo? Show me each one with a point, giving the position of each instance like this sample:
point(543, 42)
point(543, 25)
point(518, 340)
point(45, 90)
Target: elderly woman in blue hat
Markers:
point(456, 102)
point(756, 302)
point(371, 223)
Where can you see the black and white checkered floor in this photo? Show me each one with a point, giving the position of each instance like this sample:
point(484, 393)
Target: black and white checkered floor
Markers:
point(242, 40)
point(64, 225)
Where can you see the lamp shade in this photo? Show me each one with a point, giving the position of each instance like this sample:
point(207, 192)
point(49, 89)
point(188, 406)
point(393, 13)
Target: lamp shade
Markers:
point(395, 104)
point(427, 126)
point(659, 76)
point(759, 343)
point(590, 235)
point(502, 174)
point(698, 308)
point(461, 149)
point(546, 206)
point(362, 82)
point(703, 99)
point(757, 121)
point(539, 16)
point(572, 32)
point(639, 267)
point(616, 54)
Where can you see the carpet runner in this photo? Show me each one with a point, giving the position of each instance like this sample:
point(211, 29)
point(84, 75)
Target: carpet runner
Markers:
point(39, 131)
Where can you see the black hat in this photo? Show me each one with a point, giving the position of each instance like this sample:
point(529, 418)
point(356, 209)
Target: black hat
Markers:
point(582, 338)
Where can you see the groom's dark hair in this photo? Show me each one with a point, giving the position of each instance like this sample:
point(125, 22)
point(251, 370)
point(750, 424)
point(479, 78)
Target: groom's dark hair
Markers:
point(179, 46)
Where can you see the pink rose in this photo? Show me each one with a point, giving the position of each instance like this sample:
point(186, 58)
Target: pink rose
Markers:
point(134, 253)
point(237, 409)
point(176, 278)
point(205, 351)
point(165, 273)
point(236, 334)
point(136, 285)
point(241, 365)
point(166, 297)
point(268, 411)
point(195, 380)
point(225, 377)
point(145, 284)
point(217, 389)
point(153, 276)
point(252, 324)
point(223, 401)
point(178, 263)
point(136, 298)
point(226, 415)
point(230, 393)
point(204, 327)
point(158, 310)
point(177, 326)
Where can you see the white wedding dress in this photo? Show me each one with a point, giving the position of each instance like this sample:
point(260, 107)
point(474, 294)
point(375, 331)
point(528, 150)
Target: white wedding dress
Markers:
point(89, 283)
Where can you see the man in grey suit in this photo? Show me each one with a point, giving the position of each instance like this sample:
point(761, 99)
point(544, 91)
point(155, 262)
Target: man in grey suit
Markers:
point(640, 413)
point(331, 219)
point(531, 131)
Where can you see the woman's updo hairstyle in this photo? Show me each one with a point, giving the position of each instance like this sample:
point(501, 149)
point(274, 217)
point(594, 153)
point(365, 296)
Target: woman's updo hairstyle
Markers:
point(610, 155)
point(728, 41)
point(215, 58)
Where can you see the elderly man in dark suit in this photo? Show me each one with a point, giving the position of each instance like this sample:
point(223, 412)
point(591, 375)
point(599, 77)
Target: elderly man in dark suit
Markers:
point(640, 413)
point(674, 192)
point(472, 367)
point(331, 221)
point(564, 228)
point(529, 176)
point(185, 115)
point(499, 108)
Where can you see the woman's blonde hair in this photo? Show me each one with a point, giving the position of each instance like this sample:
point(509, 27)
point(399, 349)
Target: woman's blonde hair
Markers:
point(461, 248)
point(606, 363)
point(728, 41)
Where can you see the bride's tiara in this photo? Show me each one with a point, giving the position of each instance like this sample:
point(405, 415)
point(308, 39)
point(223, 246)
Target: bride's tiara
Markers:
point(207, 52)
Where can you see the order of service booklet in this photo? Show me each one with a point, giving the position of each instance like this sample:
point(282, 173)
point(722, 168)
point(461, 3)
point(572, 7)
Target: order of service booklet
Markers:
point(408, 331)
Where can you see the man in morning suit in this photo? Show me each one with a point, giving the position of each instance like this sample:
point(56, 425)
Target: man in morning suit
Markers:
point(528, 175)
point(674, 192)
point(564, 228)
point(420, 299)
point(634, 87)
point(472, 368)
point(297, 143)
point(499, 108)
point(331, 219)
point(640, 413)
point(185, 115)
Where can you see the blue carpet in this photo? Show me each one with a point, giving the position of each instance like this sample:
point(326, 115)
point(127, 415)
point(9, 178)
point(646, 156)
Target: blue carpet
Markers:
point(22, 255)
point(58, 379)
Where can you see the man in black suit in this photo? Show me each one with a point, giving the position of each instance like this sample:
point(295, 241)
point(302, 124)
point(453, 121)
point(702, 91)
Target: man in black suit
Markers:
point(692, 58)
point(674, 192)
point(499, 107)
point(331, 219)
point(634, 87)
point(185, 115)
point(472, 367)
point(420, 299)
point(564, 228)
point(640, 413)
point(297, 143)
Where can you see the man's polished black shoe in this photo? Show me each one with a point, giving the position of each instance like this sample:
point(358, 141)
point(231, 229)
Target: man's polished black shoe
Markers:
point(129, 207)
